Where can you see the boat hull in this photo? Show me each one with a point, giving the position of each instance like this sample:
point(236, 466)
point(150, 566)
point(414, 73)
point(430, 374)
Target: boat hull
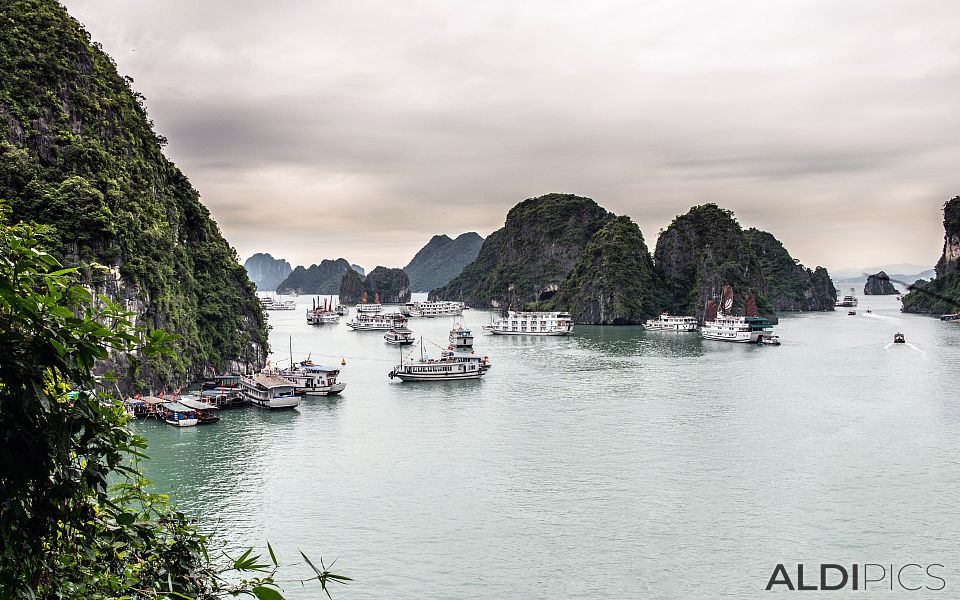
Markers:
point(437, 376)
point(278, 403)
point(677, 327)
point(182, 422)
point(739, 337)
point(332, 390)
point(530, 333)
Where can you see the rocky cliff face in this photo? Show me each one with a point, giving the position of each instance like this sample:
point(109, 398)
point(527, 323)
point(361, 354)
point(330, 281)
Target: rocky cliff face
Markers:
point(702, 251)
point(790, 286)
point(78, 153)
point(392, 285)
point(317, 279)
point(441, 260)
point(612, 282)
point(530, 257)
point(942, 295)
point(879, 284)
point(266, 272)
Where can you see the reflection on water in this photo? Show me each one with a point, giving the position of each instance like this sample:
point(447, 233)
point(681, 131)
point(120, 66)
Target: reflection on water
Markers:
point(654, 463)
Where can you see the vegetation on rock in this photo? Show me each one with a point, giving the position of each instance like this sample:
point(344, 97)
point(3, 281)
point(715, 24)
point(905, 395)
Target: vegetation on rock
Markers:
point(790, 286)
point(441, 260)
point(392, 286)
point(879, 284)
point(318, 279)
point(78, 153)
point(942, 294)
point(612, 282)
point(63, 532)
point(529, 258)
point(266, 272)
point(699, 253)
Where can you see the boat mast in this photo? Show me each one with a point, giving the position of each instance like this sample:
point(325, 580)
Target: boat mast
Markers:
point(291, 352)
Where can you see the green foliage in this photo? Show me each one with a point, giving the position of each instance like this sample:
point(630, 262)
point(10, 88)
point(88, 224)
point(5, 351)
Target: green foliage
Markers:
point(63, 533)
point(790, 286)
point(78, 153)
point(324, 278)
point(392, 286)
point(611, 283)
point(942, 295)
point(531, 256)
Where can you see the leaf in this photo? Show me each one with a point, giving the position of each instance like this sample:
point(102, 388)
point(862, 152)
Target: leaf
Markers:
point(126, 518)
point(315, 570)
point(266, 593)
point(273, 556)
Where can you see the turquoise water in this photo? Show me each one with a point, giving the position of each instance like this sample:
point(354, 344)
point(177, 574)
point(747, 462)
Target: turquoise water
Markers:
point(614, 463)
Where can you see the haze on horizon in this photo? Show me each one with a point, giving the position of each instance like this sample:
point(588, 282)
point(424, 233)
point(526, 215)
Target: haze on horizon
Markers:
point(321, 129)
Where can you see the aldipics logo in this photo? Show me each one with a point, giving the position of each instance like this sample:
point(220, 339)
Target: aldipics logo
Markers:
point(911, 577)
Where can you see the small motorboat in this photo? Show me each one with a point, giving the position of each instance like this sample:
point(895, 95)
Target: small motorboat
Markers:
point(899, 339)
point(851, 313)
point(769, 340)
point(869, 311)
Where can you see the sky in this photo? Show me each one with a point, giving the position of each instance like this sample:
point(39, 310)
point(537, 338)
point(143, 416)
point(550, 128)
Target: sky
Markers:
point(317, 129)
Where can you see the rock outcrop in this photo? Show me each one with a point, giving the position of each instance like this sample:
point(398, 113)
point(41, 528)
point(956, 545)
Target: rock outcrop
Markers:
point(942, 294)
point(266, 272)
point(78, 153)
point(613, 280)
point(701, 252)
point(790, 285)
point(529, 258)
point(879, 284)
point(441, 260)
point(317, 279)
point(391, 285)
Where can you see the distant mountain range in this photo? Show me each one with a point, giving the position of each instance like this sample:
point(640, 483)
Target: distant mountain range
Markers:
point(441, 260)
point(323, 278)
point(905, 272)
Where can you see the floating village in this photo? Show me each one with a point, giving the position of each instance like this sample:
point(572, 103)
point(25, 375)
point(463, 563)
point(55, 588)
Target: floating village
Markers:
point(425, 361)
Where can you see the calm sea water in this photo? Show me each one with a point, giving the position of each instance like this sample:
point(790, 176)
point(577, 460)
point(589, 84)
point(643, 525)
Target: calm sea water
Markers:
point(614, 463)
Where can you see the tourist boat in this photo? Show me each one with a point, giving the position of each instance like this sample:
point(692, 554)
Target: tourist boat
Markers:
point(399, 334)
point(365, 307)
point(434, 308)
point(851, 312)
point(275, 304)
point(531, 323)
point(445, 368)
point(206, 413)
point(667, 322)
point(950, 317)
point(269, 391)
point(310, 379)
point(468, 357)
point(135, 408)
point(847, 301)
point(769, 340)
point(898, 338)
point(373, 322)
point(178, 415)
point(719, 325)
point(323, 314)
point(461, 338)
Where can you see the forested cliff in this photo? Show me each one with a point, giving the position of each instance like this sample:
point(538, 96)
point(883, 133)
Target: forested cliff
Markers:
point(78, 153)
point(942, 295)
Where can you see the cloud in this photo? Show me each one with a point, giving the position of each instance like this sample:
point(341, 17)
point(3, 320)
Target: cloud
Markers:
point(323, 129)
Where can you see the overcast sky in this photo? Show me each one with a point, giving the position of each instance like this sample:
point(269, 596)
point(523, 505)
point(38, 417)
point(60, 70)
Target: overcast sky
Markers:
point(319, 129)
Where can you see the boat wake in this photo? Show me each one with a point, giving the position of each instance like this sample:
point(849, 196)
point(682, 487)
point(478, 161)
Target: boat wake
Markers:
point(908, 345)
point(880, 317)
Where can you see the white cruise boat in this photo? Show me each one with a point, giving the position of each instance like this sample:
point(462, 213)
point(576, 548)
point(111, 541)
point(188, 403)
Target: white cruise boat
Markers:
point(313, 380)
point(399, 334)
point(365, 307)
point(373, 321)
point(461, 338)
point(445, 368)
point(276, 304)
point(269, 391)
point(468, 357)
point(848, 301)
point(532, 323)
point(667, 322)
point(436, 308)
point(749, 329)
point(728, 328)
